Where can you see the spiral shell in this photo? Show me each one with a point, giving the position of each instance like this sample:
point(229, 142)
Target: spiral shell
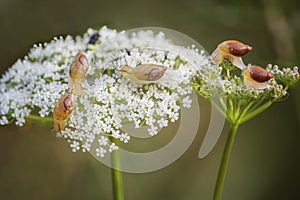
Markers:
point(144, 72)
point(77, 72)
point(259, 74)
point(231, 50)
point(62, 110)
point(234, 48)
point(256, 77)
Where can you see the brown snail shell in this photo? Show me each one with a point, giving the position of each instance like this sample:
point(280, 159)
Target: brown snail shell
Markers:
point(259, 74)
point(231, 50)
point(77, 72)
point(255, 77)
point(62, 110)
point(234, 47)
point(144, 72)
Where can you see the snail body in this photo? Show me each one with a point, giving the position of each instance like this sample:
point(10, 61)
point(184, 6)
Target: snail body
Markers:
point(256, 77)
point(77, 72)
point(62, 110)
point(144, 73)
point(231, 50)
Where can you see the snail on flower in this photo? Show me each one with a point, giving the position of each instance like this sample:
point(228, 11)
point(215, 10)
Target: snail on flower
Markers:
point(62, 110)
point(256, 77)
point(77, 72)
point(231, 50)
point(145, 73)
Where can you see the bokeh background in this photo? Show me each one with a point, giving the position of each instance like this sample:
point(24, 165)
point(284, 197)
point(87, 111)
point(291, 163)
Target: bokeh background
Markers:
point(265, 162)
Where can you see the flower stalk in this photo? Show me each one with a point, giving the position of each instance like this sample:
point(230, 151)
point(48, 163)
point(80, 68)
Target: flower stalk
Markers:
point(116, 175)
point(241, 95)
point(224, 162)
point(44, 120)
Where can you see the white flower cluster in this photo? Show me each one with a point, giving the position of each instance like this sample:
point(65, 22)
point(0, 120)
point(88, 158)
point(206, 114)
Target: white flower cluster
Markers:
point(286, 76)
point(38, 81)
point(225, 86)
point(213, 82)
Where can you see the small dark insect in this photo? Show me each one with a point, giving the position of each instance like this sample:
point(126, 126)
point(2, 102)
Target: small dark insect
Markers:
point(94, 38)
point(128, 51)
point(166, 56)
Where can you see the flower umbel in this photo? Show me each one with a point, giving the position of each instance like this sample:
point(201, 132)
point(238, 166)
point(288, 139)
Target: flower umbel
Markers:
point(240, 97)
point(104, 98)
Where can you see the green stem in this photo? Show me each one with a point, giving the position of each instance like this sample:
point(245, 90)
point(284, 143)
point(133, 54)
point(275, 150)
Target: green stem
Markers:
point(116, 175)
point(228, 73)
point(224, 162)
point(255, 112)
point(34, 118)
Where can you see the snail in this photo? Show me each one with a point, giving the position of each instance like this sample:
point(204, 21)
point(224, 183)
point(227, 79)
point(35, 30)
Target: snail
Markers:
point(77, 72)
point(231, 50)
point(256, 77)
point(62, 110)
point(144, 73)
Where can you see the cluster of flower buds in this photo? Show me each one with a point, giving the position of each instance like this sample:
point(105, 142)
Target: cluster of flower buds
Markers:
point(255, 77)
point(64, 106)
point(145, 73)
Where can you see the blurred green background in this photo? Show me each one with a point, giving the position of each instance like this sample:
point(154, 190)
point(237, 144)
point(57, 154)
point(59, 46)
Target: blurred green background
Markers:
point(265, 162)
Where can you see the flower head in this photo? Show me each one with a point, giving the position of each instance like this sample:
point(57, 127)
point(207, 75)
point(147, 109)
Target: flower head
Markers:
point(242, 95)
point(36, 83)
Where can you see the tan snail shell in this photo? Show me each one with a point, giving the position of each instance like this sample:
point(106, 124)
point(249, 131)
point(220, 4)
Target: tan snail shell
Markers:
point(144, 73)
point(62, 110)
point(256, 77)
point(231, 50)
point(77, 72)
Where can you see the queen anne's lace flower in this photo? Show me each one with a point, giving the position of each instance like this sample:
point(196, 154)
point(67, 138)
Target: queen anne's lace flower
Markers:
point(33, 85)
point(237, 102)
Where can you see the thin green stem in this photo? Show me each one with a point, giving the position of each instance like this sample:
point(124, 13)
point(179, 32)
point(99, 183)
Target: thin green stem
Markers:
point(244, 111)
point(224, 162)
point(116, 175)
point(228, 73)
point(257, 111)
point(35, 118)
